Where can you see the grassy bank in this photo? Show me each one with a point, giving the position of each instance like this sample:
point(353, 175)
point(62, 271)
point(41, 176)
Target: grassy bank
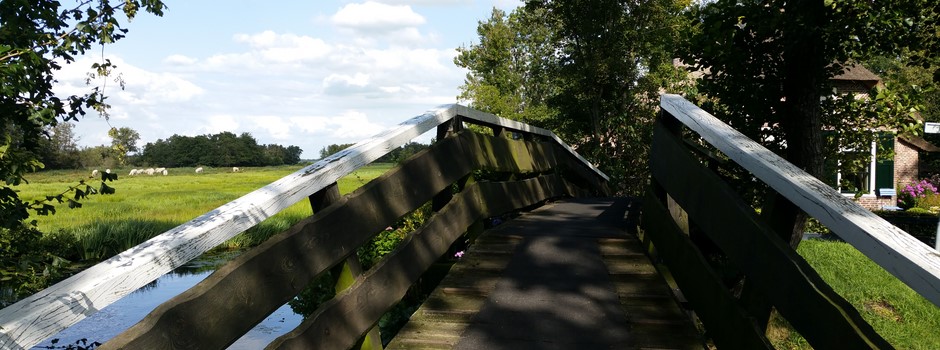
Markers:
point(144, 206)
point(900, 315)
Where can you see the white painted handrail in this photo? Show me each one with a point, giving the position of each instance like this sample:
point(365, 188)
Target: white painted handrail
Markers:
point(37, 317)
point(910, 260)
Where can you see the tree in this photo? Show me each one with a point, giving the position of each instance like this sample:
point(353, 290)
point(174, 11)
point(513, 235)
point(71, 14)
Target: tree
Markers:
point(769, 63)
point(333, 148)
point(123, 141)
point(59, 149)
point(588, 70)
point(35, 40)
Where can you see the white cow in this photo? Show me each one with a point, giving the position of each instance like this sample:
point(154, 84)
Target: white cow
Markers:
point(235, 169)
point(94, 173)
point(198, 170)
point(164, 172)
point(149, 171)
point(159, 170)
point(133, 172)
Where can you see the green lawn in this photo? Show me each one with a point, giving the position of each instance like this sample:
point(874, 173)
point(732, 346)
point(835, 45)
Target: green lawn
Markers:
point(900, 315)
point(144, 206)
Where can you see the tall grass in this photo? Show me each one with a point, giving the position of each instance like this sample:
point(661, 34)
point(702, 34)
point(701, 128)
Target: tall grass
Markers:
point(145, 206)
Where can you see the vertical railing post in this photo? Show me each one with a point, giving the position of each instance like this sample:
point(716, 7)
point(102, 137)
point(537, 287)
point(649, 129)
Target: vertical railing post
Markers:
point(345, 274)
point(446, 129)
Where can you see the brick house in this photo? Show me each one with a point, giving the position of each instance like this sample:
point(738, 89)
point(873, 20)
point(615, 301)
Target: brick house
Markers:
point(882, 178)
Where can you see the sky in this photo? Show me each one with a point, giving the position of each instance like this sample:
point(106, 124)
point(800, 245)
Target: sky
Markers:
point(303, 73)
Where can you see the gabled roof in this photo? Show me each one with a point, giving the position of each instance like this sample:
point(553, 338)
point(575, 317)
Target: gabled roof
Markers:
point(857, 72)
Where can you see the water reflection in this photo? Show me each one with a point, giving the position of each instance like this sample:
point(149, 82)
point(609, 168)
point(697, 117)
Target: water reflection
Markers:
point(117, 317)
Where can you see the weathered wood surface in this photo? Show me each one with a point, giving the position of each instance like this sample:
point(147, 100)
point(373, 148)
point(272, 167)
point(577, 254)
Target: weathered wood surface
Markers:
point(259, 281)
point(912, 261)
point(726, 321)
point(520, 287)
point(820, 314)
point(438, 323)
point(43, 314)
point(344, 319)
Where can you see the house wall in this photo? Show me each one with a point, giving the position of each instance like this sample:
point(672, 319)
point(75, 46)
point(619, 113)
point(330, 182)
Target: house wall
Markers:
point(905, 163)
point(905, 173)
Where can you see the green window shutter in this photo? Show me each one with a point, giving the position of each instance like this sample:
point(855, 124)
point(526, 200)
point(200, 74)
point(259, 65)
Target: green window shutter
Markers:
point(884, 169)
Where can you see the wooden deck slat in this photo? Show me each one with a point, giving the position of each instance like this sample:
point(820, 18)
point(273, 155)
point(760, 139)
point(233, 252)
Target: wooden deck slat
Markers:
point(649, 311)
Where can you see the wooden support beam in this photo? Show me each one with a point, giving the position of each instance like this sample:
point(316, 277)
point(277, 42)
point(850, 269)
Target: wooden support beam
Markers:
point(725, 321)
point(821, 315)
point(345, 274)
point(353, 311)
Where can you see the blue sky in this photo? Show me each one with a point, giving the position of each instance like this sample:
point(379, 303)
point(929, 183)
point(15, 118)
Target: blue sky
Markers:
point(308, 73)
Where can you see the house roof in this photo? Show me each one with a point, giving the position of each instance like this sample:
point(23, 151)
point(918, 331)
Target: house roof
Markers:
point(857, 72)
point(919, 142)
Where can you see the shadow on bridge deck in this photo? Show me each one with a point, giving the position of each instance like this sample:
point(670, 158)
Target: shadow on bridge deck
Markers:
point(565, 276)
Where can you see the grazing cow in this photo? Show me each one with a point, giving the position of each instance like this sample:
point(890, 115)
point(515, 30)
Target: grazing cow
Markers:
point(133, 172)
point(94, 173)
point(198, 170)
point(164, 172)
point(159, 170)
point(235, 169)
point(149, 171)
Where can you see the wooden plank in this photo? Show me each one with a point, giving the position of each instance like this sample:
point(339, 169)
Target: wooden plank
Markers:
point(490, 120)
point(43, 314)
point(725, 321)
point(345, 318)
point(502, 154)
point(259, 281)
point(910, 260)
point(820, 314)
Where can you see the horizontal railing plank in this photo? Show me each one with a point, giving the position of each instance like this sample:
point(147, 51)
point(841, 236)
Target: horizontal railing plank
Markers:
point(340, 322)
point(264, 278)
point(910, 260)
point(726, 321)
point(35, 318)
point(820, 314)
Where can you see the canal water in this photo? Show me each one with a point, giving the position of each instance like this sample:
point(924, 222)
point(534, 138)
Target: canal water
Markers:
point(124, 313)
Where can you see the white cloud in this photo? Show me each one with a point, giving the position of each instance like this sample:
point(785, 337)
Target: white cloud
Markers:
point(179, 60)
point(350, 124)
point(276, 126)
point(219, 123)
point(374, 16)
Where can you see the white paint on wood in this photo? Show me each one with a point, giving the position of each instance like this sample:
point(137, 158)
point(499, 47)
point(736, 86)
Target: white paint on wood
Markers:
point(31, 320)
point(910, 260)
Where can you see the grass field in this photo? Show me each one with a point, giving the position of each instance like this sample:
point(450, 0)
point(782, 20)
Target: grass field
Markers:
point(144, 206)
point(900, 315)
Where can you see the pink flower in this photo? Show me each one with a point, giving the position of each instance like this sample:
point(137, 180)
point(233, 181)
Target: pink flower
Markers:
point(458, 255)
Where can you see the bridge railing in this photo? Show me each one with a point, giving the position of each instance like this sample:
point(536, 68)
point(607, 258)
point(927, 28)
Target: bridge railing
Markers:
point(218, 310)
point(690, 202)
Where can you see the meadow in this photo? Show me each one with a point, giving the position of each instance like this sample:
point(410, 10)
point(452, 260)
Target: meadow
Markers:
point(144, 206)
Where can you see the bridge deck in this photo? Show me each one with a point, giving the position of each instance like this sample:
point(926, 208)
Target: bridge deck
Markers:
point(567, 275)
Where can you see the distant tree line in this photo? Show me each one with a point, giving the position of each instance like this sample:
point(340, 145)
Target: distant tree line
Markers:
point(222, 149)
point(397, 155)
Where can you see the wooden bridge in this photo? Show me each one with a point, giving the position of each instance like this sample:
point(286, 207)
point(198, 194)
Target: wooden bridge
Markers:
point(571, 271)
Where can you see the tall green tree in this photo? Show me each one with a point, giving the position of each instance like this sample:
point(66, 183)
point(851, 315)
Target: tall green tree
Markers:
point(769, 62)
point(36, 39)
point(589, 70)
point(123, 141)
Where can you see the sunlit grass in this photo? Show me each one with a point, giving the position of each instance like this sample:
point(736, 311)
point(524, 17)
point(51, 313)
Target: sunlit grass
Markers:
point(900, 315)
point(145, 206)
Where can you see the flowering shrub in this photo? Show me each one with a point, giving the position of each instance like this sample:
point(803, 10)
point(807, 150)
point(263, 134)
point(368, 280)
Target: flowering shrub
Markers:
point(914, 193)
